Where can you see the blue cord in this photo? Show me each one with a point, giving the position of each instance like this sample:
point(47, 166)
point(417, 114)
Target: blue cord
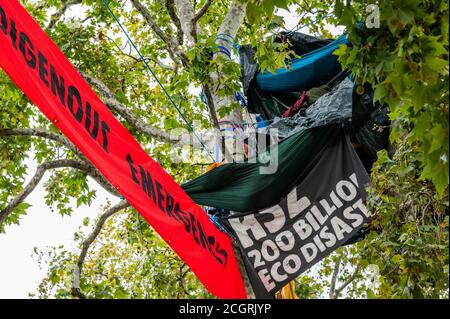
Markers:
point(155, 77)
point(240, 99)
point(224, 39)
point(227, 35)
point(224, 50)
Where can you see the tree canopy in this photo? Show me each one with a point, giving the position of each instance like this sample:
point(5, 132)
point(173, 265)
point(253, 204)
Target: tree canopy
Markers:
point(404, 59)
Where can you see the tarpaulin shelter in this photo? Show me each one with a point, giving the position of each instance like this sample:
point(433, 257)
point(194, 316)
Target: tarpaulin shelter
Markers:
point(270, 95)
point(328, 137)
point(312, 69)
point(241, 187)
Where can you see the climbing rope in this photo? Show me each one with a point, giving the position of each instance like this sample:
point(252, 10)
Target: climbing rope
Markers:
point(336, 77)
point(141, 57)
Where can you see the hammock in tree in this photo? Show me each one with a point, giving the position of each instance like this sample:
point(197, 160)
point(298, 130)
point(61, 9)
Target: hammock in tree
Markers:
point(312, 69)
point(240, 186)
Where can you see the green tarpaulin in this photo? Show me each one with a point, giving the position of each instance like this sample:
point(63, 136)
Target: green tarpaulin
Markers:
point(241, 187)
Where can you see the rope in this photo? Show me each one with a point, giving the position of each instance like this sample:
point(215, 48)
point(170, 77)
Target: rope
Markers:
point(332, 80)
point(228, 39)
point(219, 37)
point(225, 35)
point(155, 77)
point(223, 50)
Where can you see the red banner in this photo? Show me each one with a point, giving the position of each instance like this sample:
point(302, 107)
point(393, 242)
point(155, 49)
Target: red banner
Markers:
point(44, 74)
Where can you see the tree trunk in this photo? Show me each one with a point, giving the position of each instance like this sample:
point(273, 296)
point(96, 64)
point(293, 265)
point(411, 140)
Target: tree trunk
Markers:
point(231, 149)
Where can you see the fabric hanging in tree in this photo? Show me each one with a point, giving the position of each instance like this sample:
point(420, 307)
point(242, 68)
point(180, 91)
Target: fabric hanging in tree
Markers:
point(44, 74)
point(242, 187)
point(321, 213)
point(273, 104)
point(300, 43)
point(370, 122)
point(287, 292)
point(270, 105)
point(300, 103)
point(334, 107)
point(312, 69)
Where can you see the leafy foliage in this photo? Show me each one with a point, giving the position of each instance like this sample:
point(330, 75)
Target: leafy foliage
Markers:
point(406, 62)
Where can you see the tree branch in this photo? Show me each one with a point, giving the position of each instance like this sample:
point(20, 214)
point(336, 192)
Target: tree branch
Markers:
point(230, 26)
point(211, 107)
point(170, 5)
point(58, 14)
point(38, 132)
point(334, 278)
point(186, 15)
point(112, 103)
point(40, 171)
point(172, 45)
point(84, 164)
point(162, 64)
point(348, 281)
point(202, 11)
point(76, 292)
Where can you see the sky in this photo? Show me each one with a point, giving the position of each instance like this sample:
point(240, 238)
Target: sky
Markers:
point(20, 273)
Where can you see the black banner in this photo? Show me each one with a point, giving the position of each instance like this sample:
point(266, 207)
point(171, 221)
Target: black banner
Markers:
point(318, 216)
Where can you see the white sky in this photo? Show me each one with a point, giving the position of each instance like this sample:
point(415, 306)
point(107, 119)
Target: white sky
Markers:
point(19, 270)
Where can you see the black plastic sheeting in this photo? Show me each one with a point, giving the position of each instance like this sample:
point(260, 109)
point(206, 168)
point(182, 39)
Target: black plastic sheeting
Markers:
point(370, 123)
point(334, 107)
point(268, 105)
point(273, 105)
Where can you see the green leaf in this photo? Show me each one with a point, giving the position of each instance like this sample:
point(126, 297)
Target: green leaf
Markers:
point(120, 293)
point(283, 4)
point(435, 63)
point(439, 138)
point(341, 50)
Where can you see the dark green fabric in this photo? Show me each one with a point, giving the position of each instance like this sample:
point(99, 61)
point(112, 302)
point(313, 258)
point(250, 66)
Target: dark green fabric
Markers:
point(240, 186)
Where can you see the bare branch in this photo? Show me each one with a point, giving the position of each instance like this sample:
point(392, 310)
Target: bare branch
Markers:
point(211, 107)
point(172, 45)
point(41, 169)
point(337, 265)
point(38, 132)
point(84, 164)
point(112, 103)
point(181, 277)
point(58, 14)
point(229, 26)
point(348, 281)
point(76, 292)
point(202, 11)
